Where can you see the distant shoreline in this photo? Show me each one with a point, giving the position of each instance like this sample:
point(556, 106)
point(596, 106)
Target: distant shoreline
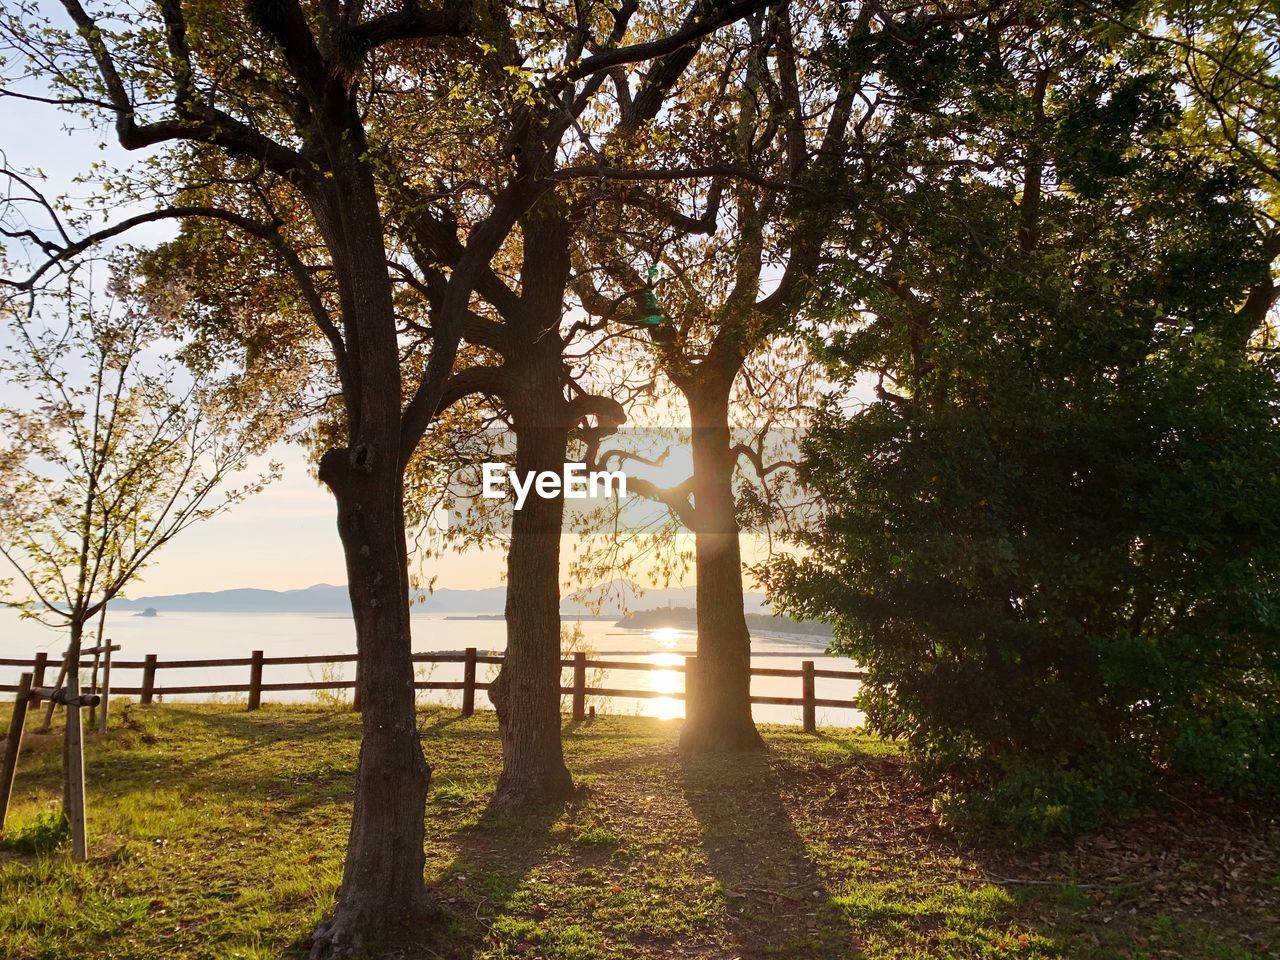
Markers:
point(686, 618)
point(595, 618)
point(604, 601)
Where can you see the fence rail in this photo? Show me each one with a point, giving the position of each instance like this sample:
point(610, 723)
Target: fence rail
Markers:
point(579, 663)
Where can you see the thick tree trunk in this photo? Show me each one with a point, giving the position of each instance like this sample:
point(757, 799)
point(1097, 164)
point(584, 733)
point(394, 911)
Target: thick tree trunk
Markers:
point(526, 692)
point(383, 892)
point(718, 705)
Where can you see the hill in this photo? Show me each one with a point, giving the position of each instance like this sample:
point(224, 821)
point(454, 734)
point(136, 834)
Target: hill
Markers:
point(615, 598)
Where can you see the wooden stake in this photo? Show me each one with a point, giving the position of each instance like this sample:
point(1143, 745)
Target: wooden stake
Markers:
point(13, 745)
point(106, 688)
point(62, 676)
point(97, 659)
point(37, 674)
point(74, 810)
point(93, 688)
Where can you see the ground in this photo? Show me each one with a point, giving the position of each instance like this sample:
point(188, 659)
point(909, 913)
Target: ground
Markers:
point(219, 833)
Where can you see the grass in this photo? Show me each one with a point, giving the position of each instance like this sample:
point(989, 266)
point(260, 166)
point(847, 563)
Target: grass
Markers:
point(219, 833)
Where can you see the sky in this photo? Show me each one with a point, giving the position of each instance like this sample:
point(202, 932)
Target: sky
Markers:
point(283, 538)
point(286, 536)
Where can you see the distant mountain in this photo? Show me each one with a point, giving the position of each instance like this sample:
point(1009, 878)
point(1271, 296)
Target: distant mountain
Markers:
point(321, 598)
point(610, 599)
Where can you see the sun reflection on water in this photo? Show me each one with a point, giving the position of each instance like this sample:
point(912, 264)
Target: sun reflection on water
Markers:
point(665, 681)
point(665, 637)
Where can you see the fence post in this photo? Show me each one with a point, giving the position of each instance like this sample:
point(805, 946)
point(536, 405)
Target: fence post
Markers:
point(93, 684)
point(14, 744)
point(37, 674)
point(148, 678)
point(469, 682)
point(810, 708)
point(580, 685)
point(255, 680)
point(106, 689)
point(690, 688)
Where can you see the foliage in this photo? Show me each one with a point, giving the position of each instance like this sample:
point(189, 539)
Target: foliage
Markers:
point(1228, 54)
point(1052, 537)
point(109, 451)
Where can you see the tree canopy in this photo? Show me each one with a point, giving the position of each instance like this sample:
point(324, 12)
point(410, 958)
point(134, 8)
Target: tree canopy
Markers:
point(1051, 537)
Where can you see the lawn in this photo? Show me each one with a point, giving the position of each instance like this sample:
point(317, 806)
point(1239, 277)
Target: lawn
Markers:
point(219, 833)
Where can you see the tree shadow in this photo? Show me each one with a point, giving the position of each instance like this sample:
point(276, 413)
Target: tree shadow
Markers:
point(243, 736)
point(493, 859)
point(439, 725)
point(572, 726)
point(776, 903)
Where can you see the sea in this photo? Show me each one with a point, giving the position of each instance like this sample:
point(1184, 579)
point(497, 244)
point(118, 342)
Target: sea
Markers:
point(194, 636)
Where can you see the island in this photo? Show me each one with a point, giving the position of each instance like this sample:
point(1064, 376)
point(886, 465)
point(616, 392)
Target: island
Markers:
point(686, 618)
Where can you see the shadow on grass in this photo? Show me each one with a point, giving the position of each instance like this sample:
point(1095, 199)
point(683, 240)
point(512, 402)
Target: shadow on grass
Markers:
point(776, 904)
point(439, 725)
point(246, 736)
point(485, 882)
point(213, 752)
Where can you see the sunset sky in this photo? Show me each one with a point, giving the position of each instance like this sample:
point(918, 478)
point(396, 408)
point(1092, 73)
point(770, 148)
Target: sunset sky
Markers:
point(284, 538)
point(281, 539)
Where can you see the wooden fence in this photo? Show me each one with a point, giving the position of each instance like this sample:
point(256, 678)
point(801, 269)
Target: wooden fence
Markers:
point(579, 663)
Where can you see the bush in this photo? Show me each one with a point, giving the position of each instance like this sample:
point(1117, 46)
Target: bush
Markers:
point(1053, 540)
point(1025, 805)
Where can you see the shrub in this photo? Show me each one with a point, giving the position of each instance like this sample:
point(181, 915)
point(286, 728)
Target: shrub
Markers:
point(1053, 539)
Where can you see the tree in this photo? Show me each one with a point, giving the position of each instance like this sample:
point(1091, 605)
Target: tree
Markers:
point(738, 227)
point(530, 383)
point(108, 456)
point(1051, 538)
point(272, 120)
point(1228, 60)
point(534, 358)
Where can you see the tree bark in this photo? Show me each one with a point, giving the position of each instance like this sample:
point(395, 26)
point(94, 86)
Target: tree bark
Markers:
point(718, 707)
point(383, 894)
point(526, 692)
point(383, 891)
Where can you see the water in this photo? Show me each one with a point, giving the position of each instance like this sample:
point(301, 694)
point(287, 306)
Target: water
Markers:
point(173, 636)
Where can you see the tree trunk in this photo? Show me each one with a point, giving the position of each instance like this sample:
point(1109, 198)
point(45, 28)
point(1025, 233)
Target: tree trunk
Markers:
point(526, 692)
point(718, 705)
point(383, 892)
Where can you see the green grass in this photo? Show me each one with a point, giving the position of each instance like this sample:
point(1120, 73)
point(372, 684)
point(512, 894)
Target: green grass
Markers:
point(46, 832)
point(218, 833)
